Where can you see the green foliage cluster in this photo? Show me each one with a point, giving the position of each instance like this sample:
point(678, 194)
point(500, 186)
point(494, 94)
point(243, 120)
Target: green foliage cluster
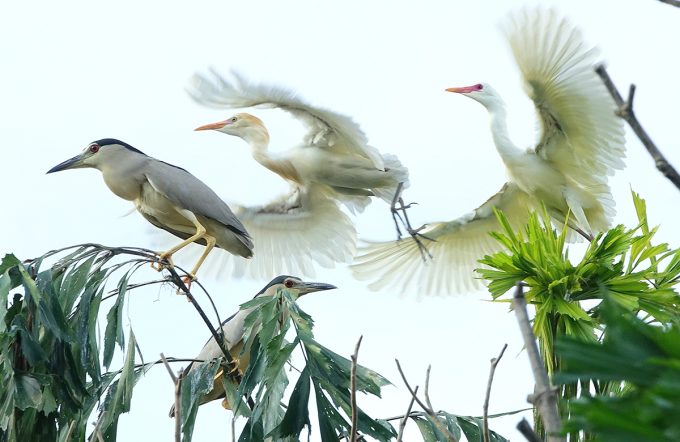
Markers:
point(54, 367)
point(621, 264)
point(644, 356)
point(50, 358)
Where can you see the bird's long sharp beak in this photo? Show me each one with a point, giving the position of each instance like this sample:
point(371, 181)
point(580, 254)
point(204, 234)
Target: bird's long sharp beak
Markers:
point(461, 90)
point(213, 126)
point(309, 287)
point(72, 163)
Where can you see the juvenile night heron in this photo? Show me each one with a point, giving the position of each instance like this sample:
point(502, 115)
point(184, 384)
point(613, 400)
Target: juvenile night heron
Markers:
point(168, 197)
point(580, 145)
point(233, 334)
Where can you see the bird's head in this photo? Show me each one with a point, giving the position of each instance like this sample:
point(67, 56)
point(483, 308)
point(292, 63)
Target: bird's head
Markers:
point(98, 154)
point(481, 92)
point(294, 284)
point(242, 125)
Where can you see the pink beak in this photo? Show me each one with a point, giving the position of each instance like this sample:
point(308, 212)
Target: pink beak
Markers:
point(463, 90)
point(213, 126)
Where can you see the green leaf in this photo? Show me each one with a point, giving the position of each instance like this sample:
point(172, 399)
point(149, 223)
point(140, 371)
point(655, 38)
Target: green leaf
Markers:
point(120, 402)
point(297, 414)
point(473, 433)
point(197, 383)
point(114, 323)
point(26, 391)
point(426, 430)
point(30, 347)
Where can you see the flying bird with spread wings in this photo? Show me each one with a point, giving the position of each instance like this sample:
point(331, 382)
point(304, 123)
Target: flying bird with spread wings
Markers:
point(332, 165)
point(581, 143)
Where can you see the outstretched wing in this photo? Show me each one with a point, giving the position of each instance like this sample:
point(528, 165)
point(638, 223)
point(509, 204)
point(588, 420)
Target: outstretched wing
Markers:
point(458, 245)
point(291, 233)
point(326, 129)
point(581, 135)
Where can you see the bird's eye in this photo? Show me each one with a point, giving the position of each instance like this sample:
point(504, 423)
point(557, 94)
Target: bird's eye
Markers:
point(233, 119)
point(288, 283)
point(94, 148)
point(479, 87)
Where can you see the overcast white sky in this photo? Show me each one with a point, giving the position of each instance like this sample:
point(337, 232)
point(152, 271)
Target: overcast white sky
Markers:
point(73, 72)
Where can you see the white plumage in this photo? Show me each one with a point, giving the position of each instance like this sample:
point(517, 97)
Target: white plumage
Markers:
point(580, 145)
point(334, 152)
point(290, 233)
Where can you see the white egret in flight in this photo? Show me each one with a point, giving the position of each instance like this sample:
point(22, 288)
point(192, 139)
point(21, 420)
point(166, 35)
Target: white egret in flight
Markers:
point(581, 143)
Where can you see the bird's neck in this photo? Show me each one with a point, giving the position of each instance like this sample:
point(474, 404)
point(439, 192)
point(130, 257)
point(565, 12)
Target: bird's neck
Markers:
point(501, 138)
point(259, 141)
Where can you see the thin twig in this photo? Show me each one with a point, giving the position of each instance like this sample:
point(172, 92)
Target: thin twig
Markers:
point(544, 398)
point(428, 410)
point(178, 406)
point(525, 428)
point(427, 387)
point(167, 366)
point(485, 420)
point(671, 2)
point(70, 430)
point(233, 428)
point(353, 384)
point(625, 111)
point(177, 382)
point(98, 424)
point(402, 423)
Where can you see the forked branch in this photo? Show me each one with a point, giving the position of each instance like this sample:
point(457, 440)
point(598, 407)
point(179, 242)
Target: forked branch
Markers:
point(625, 111)
point(544, 397)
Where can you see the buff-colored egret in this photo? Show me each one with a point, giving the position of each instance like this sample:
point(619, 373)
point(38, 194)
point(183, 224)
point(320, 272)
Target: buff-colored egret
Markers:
point(334, 152)
point(580, 145)
point(168, 197)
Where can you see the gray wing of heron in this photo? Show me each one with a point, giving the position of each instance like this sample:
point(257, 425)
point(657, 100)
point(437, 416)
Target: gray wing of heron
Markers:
point(190, 193)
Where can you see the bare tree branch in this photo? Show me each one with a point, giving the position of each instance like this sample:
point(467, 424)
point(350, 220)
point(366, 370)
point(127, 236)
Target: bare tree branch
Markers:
point(544, 397)
point(450, 437)
point(427, 388)
point(525, 428)
point(402, 423)
point(96, 433)
point(70, 430)
point(625, 111)
point(177, 382)
point(353, 386)
point(671, 2)
point(494, 363)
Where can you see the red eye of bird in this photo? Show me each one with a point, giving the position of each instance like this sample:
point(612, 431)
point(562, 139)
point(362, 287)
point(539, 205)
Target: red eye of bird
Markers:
point(94, 148)
point(479, 87)
point(289, 283)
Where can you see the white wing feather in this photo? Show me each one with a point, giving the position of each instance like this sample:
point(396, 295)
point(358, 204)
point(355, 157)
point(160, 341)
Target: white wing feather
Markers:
point(581, 134)
point(325, 128)
point(291, 233)
point(458, 245)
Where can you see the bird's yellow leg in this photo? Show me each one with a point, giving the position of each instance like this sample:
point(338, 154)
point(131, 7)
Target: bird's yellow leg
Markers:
point(200, 232)
point(210, 244)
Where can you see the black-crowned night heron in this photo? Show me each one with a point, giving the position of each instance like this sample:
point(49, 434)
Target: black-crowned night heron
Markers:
point(168, 197)
point(233, 334)
point(581, 143)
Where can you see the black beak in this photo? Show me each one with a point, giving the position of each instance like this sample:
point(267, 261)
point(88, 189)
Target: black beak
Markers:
point(72, 163)
point(309, 287)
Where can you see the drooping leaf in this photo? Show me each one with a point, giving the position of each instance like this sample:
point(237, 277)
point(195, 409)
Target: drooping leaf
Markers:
point(198, 382)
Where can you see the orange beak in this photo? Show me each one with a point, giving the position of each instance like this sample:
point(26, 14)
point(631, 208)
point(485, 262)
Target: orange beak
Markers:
point(213, 126)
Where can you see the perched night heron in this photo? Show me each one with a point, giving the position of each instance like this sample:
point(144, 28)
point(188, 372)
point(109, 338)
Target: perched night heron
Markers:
point(168, 197)
point(233, 329)
point(580, 145)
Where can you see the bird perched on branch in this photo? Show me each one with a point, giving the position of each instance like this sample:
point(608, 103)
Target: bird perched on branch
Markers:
point(168, 197)
point(233, 329)
point(580, 145)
